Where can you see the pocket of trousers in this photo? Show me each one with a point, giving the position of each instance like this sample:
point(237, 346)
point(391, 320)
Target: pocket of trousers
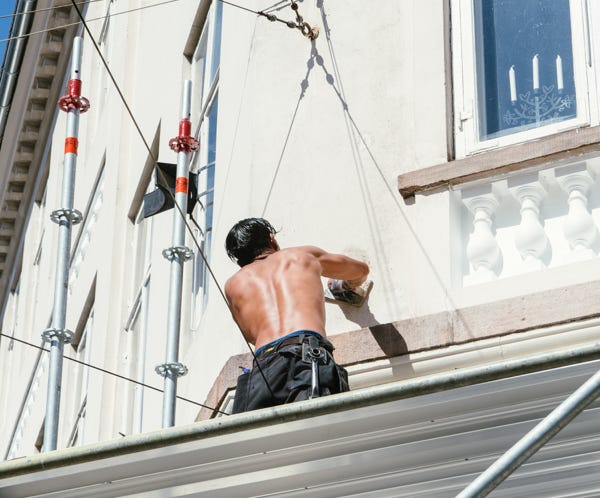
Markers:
point(240, 401)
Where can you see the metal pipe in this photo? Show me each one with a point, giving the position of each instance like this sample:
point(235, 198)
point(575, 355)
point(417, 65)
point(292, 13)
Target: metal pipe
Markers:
point(177, 254)
point(14, 58)
point(58, 335)
point(534, 439)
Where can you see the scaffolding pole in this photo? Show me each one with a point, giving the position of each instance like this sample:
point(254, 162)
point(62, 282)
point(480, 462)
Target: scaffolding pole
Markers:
point(534, 439)
point(177, 254)
point(57, 335)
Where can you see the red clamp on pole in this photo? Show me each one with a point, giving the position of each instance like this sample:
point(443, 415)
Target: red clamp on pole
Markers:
point(73, 99)
point(184, 142)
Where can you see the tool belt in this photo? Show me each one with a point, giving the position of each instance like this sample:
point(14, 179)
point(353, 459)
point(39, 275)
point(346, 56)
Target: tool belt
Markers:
point(296, 368)
point(294, 340)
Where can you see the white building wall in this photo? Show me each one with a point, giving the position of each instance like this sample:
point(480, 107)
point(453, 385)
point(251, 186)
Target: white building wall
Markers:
point(311, 136)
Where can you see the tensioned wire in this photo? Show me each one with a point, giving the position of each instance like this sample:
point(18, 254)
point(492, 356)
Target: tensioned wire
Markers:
point(176, 205)
point(159, 172)
point(103, 370)
point(44, 9)
point(68, 25)
point(271, 17)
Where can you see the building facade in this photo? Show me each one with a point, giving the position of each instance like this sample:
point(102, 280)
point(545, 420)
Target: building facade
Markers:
point(454, 146)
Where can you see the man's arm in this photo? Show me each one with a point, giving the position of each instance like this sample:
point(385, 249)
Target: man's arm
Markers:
point(341, 267)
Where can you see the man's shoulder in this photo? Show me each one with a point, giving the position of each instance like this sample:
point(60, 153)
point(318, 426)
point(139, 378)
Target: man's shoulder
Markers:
point(311, 250)
point(231, 283)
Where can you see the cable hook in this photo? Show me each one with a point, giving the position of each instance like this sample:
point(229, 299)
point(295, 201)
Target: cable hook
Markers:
point(309, 31)
point(305, 28)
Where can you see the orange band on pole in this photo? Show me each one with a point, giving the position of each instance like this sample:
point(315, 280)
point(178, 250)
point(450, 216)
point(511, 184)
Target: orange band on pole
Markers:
point(71, 144)
point(181, 184)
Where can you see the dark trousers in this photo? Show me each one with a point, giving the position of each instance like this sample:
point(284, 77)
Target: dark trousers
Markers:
point(288, 377)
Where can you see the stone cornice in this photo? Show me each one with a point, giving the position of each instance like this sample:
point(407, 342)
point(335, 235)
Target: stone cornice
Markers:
point(508, 316)
point(567, 145)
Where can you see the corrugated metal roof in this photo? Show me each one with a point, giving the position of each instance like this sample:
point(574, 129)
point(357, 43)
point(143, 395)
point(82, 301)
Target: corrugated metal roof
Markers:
point(426, 446)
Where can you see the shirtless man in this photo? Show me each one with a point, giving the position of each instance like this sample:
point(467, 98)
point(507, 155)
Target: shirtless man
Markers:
point(277, 300)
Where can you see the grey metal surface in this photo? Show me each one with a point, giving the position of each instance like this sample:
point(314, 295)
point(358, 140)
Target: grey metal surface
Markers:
point(424, 446)
point(534, 439)
point(173, 369)
point(58, 335)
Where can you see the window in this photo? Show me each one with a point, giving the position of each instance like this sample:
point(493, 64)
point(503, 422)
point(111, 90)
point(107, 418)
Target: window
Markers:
point(81, 345)
point(206, 61)
point(141, 252)
point(205, 70)
point(134, 362)
point(35, 396)
point(88, 227)
point(135, 329)
point(104, 44)
point(522, 69)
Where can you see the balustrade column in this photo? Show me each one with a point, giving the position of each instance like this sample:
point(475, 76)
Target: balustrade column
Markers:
point(579, 227)
point(483, 252)
point(530, 237)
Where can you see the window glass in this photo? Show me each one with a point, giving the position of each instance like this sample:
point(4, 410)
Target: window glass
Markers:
point(80, 378)
point(199, 70)
point(210, 170)
point(216, 48)
point(205, 113)
point(524, 63)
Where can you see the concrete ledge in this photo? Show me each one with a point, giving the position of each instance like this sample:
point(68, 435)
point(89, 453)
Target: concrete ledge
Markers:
point(507, 316)
point(566, 145)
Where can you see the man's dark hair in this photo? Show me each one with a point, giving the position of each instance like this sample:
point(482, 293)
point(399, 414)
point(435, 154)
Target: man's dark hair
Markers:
point(248, 239)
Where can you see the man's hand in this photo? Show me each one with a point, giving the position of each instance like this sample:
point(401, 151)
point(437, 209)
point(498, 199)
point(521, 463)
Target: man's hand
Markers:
point(342, 285)
point(341, 291)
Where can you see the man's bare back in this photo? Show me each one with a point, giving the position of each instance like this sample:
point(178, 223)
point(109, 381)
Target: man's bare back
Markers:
point(276, 294)
point(281, 292)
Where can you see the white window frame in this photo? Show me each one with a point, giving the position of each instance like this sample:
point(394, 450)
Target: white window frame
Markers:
point(83, 353)
point(136, 330)
point(141, 251)
point(136, 326)
point(88, 227)
point(205, 95)
point(102, 83)
point(36, 386)
point(466, 121)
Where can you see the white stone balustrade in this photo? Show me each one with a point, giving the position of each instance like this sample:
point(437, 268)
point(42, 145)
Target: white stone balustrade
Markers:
point(530, 237)
point(579, 227)
point(529, 222)
point(483, 251)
